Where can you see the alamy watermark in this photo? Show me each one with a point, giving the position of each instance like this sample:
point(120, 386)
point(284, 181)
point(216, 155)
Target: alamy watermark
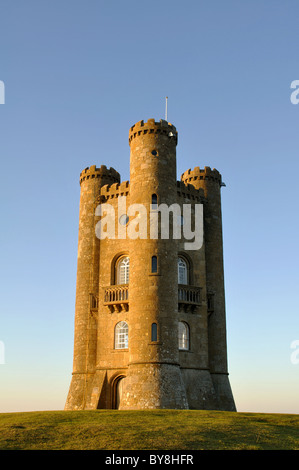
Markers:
point(2, 92)
point(135, 222)
point(295, 94)
point(2, 353)
point(295, 353)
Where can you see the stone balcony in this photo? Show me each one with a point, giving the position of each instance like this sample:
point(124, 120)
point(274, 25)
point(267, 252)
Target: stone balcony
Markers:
point(189, 297)
point(117, 297)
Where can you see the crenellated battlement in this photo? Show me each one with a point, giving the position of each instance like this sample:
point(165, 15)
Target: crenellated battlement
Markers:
point(123, 189)
point(188, 191)
point(153, 127)
point(115, 190)
point(205, 173)
point(102, 172)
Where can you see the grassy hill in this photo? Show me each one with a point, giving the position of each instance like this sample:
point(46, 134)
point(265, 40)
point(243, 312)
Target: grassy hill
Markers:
point(150, 430)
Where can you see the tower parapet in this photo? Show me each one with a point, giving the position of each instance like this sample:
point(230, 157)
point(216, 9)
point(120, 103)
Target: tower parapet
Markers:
point(103, 173)
point(115, 190)
point(153, 127)
point(206, 173)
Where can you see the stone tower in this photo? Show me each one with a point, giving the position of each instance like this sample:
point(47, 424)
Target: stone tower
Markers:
point(150, 324)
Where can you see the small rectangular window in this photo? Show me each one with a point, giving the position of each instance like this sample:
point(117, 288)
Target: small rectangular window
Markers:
point(154, 202)
point(154, 332)
point(154, 264)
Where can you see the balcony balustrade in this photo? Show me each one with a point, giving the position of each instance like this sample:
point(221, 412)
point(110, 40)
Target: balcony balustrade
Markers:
point(117, 297)
point(188, 297)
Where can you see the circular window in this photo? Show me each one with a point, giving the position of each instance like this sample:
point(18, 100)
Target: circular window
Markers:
point(124, 219)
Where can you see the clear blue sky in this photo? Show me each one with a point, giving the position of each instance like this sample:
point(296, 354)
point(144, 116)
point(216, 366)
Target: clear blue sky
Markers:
point(77, 75)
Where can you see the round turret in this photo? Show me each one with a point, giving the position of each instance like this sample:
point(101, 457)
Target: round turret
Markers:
point(92, 179)
point(153, 359)
point(153, 161)
point(210, 181)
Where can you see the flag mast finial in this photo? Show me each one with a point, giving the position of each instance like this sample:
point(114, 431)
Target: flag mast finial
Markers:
point(166, 108)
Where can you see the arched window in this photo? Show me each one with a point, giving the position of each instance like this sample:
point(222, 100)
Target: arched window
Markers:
point(154, 335)
point(183, 336)
point(154, 201)
point(123, 270)
point(182, 271)
point(154, 264)
point(121, 335)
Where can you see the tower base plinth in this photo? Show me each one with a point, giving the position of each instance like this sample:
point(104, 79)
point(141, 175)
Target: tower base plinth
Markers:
point(154, 386)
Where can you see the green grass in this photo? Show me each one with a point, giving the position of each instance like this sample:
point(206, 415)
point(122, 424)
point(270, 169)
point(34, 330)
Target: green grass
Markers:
point(150, 430)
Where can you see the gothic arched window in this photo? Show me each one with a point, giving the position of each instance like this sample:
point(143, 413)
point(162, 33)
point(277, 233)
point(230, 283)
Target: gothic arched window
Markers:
point(121, 335)
point(184, 336)
point(182, 271)
point(123, 270)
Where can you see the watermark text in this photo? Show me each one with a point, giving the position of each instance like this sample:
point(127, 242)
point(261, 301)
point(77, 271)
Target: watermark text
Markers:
point(295, 94)
point(161, 221)
point(2, 92)
point(295, 353)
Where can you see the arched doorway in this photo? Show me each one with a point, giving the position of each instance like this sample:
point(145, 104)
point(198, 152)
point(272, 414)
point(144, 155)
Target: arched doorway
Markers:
point(118, 386)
